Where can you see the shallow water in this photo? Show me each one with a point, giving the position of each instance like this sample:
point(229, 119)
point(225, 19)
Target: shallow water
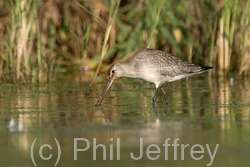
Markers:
point(200, 111)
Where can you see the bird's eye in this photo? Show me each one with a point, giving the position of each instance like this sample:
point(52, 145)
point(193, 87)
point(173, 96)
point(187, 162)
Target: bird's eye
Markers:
point(113, 71)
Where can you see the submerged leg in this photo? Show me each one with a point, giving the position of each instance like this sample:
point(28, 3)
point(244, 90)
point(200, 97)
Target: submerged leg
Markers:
point(165, 110)
point(153, 101)
point(165, 95)
point(155, 110)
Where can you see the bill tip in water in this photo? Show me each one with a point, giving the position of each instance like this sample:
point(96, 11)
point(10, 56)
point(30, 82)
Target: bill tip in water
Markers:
point(97, 104)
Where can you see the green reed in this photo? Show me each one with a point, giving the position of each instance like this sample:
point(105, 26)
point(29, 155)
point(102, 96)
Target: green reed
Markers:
point(18, 42)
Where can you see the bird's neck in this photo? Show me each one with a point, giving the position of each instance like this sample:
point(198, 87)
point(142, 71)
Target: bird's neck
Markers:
point(128, 70)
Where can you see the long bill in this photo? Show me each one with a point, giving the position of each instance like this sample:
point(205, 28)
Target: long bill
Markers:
point(104, 91)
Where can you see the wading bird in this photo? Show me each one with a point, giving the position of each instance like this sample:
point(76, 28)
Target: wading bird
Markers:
point(153, 66)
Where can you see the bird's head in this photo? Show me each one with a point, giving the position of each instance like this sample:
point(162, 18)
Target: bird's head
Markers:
point(116, 71)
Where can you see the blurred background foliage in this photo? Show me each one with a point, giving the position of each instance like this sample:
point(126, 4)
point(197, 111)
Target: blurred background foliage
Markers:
point(44, 38)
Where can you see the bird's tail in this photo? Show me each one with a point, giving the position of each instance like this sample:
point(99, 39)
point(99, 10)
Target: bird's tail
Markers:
point(200, 69)
point(205, 68)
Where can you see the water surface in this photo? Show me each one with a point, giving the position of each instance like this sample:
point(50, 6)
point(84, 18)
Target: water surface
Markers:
point(200, 111)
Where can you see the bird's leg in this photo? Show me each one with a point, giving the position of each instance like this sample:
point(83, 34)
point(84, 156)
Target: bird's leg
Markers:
point(153, 101)
point(155, 110)
point(165, 109)
point(164, 94)
point(155, 96)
